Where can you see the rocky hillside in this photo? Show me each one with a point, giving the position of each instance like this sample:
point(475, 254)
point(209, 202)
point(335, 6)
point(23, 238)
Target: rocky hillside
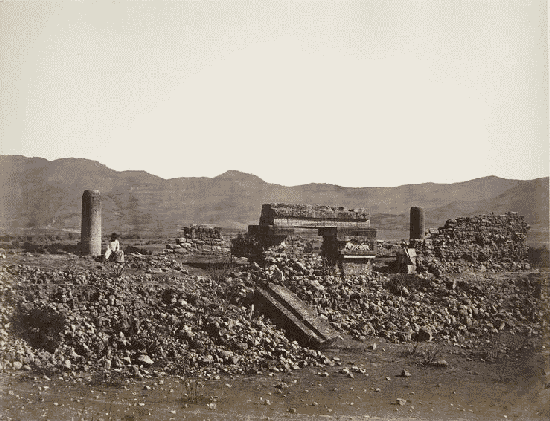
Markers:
point(35, 192)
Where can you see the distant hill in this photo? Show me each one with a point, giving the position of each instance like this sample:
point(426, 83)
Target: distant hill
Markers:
point(35, 192)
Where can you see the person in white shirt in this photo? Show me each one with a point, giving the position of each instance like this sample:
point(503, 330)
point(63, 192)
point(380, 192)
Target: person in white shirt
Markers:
point(113, 248)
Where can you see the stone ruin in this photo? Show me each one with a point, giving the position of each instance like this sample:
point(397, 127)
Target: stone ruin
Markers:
point(202, 232)
point(348, 240)
point(199, 238)
point(481, 243)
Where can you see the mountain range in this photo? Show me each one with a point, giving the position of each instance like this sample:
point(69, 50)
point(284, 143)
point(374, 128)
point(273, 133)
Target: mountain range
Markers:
point(35, 192)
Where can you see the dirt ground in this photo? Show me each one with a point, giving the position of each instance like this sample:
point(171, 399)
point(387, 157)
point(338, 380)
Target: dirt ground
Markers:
point(468, 389)
point(476, 384)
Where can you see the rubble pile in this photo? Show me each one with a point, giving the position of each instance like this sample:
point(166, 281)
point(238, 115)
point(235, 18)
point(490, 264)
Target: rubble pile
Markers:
point(299, 247)
point(83, 320)
point(281, 211)
point(402, 308)
point(486, 242)
point(154, 264)
point(78, 322)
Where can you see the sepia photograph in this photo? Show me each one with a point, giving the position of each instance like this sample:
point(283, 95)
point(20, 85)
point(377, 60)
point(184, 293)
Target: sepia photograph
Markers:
point(274, 210)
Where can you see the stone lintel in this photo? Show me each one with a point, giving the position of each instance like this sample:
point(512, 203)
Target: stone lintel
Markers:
point(318, 223)
point(272, 211)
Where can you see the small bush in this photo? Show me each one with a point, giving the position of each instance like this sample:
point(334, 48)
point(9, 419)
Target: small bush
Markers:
point(40, 326)
point(424, 354)
point(539, 256)
point(430, 355)
point(247, 246)
point(193, 393)
point(219, 271)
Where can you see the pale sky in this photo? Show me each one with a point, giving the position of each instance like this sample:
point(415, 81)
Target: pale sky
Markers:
point(359, 94)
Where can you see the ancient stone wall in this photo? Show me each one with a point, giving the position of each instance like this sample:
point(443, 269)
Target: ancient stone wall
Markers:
point(485, 242)
point(202, 232)
point(199, 239)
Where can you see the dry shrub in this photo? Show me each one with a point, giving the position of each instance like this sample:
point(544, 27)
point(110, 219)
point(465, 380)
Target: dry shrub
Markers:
point(539, 256)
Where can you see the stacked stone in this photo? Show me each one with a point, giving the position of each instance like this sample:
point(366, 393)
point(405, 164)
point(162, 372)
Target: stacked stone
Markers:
point(202, 239)
point(485, 242)
point(197, 246)
point(273, 211)
point(202, 232)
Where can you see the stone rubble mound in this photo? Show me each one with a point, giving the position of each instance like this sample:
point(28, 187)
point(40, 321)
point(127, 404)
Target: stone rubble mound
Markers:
point(402, 307)
point(83, 322)
point(156, 264)
point(485, 242)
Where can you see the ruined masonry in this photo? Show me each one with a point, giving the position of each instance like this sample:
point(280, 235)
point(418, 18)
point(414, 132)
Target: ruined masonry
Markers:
point(348, 239)
point(484, 242)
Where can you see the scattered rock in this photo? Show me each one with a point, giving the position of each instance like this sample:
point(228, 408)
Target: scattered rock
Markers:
point(145, 359)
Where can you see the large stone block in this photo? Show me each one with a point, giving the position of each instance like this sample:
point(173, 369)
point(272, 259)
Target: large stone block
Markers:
point(299, 320)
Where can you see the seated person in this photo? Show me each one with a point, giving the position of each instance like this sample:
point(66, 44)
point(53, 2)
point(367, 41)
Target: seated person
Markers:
point(114, 251)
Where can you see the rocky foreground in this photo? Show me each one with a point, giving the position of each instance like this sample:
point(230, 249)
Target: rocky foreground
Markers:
point(466, 310)
point(76, 321)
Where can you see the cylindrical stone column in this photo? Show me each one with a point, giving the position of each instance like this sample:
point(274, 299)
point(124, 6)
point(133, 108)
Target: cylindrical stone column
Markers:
point(417, 223)
point(90, 234)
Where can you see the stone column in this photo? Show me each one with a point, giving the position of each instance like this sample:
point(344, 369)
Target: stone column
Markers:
point(90, 236)
point(417, 223)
